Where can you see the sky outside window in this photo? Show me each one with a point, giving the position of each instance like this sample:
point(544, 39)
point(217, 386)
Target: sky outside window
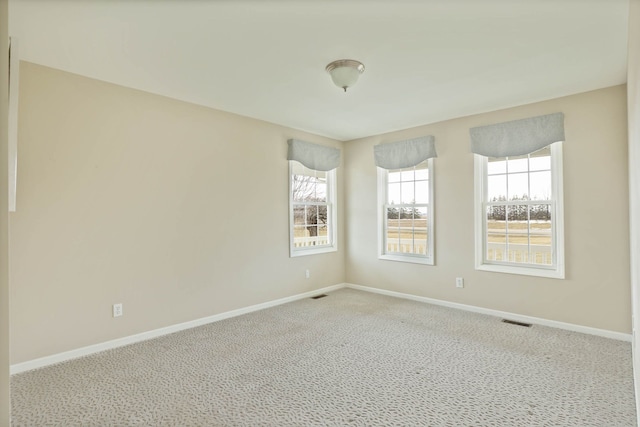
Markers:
point(521, 177)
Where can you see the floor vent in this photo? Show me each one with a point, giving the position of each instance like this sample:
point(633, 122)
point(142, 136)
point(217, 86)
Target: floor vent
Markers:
point(320, 296)
point(513, 322)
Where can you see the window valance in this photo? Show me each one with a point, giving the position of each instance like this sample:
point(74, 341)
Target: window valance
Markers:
point(314, 156)
point(404, 154)
point(517, 137)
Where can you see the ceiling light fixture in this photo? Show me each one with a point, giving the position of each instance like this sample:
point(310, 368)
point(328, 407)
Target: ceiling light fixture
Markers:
point(345, 72)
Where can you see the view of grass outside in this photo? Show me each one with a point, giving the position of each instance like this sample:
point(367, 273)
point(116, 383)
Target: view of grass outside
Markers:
point(518, 212)
point(301, 231)
point(519, 209)
point(528, 242)
point(407, 235)
point(407, 207)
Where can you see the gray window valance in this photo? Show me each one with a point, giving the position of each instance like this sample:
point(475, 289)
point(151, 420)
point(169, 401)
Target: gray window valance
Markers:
point(314, 156)
point(404, 154)
point(517, 137)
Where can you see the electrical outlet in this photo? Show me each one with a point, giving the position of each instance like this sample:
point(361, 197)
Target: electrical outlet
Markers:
point(307, 273)
point(117, 310)
point(459, 282)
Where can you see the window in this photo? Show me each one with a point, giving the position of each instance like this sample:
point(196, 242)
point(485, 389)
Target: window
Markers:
point(519, 214)
point(312, 210)
point(406, 213)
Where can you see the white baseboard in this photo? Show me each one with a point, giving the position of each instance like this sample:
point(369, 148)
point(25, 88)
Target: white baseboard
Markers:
point(503, 314)
point(85, 351)
point(108, 345)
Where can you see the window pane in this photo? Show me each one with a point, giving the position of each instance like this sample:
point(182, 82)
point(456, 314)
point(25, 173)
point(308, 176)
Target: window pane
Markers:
point(322, 215)
point(540, 234)
point(420, 217)
point(297, 168)
point(540, 160)
point(406, 231)
point(393, 234)
point(541, 255)
point(393, 213)
point(311, 225)
point(517, 234)
point(518, 186)
point(496, 235)
point(518, 247)
point(321, 191)
point(393, 195)
point(407, 175)
point(526, 235)
point(299, 231)
point(496, 165)
point(304, 188)
point(297, 183)
point(497, 188)
point(394, 176)
point(517, 164)
point(496, 213)
point(540, 163)
point(422, 192)
point(540, 212)
point(310, 215)
point(540, 185)
point(302, 237)
point(408, 195)
point(323, 235)
point(517, 213)
point(406, 227)
point(422, 173)
point(313, 234)
point(406, 236)
point(540, 227)
point(496, 247)
point(393, 244)
point(404, 214)
point(420, 231)
point(298, 215)
point(406, 246)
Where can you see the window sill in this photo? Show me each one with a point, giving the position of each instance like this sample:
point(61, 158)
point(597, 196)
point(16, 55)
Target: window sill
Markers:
point(314, 251)
point(524, 271)
point(410, 259)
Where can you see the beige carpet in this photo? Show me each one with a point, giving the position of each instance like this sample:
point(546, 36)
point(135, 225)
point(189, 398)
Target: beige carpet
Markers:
point(349, 359)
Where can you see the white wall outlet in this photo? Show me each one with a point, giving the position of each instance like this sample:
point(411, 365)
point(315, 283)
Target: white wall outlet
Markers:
point(459, 282)
point(117, 310)
point(307, 273)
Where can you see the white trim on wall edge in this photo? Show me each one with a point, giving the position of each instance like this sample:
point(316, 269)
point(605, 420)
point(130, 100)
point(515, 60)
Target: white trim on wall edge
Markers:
point(132, 339)
point(503, 314)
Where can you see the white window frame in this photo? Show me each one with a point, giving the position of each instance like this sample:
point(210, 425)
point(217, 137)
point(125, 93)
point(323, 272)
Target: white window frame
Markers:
point(383, 175)
point(332, 215)
point(557, 269)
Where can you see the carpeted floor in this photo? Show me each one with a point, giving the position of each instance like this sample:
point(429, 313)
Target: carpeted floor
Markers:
point(349, 359)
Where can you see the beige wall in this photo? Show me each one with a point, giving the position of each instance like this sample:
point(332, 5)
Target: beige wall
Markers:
point(633, 102)
point(4, 227)
point(596, 290)
point(180, 212)
point(177, 211)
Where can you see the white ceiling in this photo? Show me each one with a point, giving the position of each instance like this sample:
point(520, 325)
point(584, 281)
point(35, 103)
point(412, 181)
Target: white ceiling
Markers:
point(426, 61)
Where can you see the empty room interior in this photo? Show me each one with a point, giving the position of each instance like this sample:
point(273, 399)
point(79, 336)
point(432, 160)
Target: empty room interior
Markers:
point(320, 212)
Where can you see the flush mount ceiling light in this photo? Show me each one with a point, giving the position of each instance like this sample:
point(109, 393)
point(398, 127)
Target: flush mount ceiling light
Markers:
point(345, 72)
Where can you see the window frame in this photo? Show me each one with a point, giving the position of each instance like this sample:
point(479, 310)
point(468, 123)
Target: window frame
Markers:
point(332, 216)
point(557, 269)
point(383, 175)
